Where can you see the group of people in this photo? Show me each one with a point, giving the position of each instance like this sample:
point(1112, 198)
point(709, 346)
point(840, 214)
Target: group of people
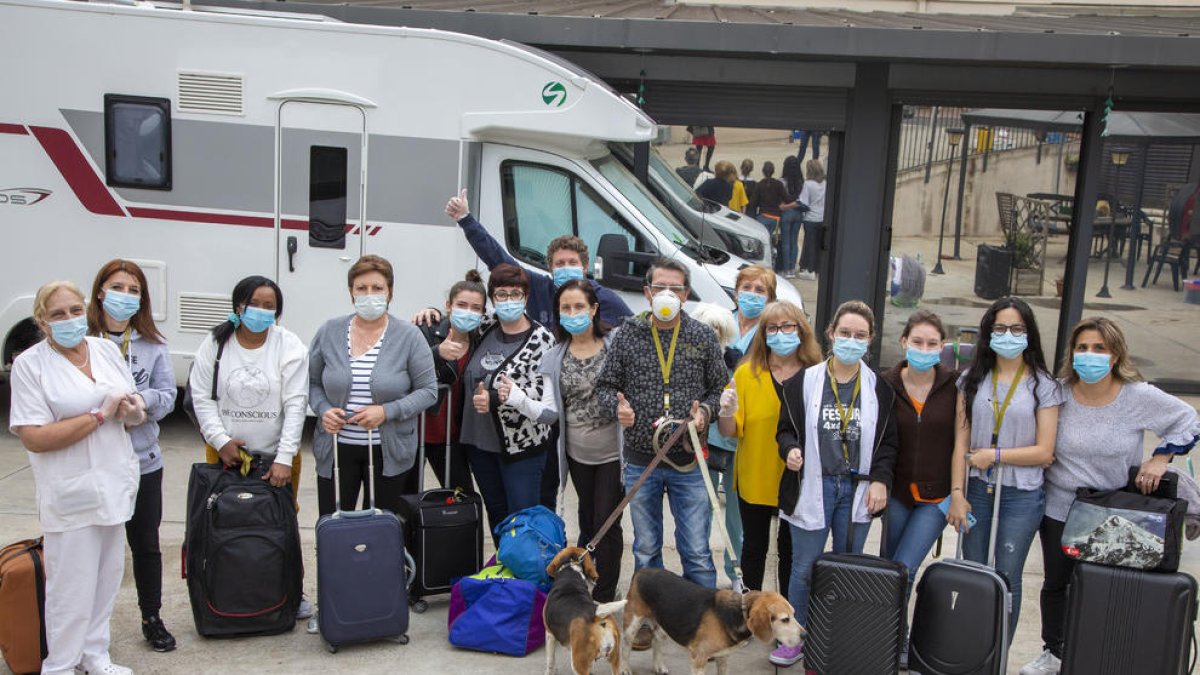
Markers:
point(785, 207)
point(546, 376)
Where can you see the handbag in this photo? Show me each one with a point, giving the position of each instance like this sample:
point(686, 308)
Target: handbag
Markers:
point(497, 613)
point(1124, 528)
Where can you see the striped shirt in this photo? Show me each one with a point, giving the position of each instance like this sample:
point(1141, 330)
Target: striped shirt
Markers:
point(360, 389)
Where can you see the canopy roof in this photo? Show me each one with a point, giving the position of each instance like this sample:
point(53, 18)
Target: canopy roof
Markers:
point(1131, 127)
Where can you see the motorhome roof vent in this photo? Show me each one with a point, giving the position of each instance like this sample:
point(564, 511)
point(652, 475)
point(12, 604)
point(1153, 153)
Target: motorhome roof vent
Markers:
point(210, 93)
point(198, 312)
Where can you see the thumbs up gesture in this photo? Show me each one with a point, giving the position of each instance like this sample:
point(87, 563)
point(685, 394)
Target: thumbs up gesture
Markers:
point(457, 208)
point(624, 411)
point(480, 400)
point(504, 387)
point(729, 400)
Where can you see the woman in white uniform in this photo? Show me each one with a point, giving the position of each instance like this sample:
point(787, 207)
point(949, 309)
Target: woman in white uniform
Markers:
point(72, 397)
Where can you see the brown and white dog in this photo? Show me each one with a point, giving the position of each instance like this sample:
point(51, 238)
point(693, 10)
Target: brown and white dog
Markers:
point(711, 624)
point(574, 620)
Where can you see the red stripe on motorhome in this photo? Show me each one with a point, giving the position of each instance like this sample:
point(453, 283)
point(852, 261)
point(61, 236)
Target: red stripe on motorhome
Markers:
point(79, 174)
point(18, 129)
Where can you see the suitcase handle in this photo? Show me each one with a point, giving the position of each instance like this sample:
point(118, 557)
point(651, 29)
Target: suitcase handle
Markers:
point(338, 511)
point(995, 515)
point(422, 427)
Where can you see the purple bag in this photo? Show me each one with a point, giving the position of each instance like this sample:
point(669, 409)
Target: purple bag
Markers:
point(497, 615)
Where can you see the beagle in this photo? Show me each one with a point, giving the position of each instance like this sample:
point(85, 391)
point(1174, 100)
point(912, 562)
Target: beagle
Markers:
point(574, 620)
point(710, 623)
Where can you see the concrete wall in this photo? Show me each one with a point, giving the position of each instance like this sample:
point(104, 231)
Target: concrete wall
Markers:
point(918, 205)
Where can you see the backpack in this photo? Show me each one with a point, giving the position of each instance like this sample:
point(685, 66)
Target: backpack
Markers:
point(529, 540)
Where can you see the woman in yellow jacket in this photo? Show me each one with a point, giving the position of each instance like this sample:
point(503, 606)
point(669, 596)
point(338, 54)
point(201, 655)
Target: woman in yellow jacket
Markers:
point(783, 346)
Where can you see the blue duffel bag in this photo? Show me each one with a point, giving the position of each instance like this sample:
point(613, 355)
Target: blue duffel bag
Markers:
point(529, 540)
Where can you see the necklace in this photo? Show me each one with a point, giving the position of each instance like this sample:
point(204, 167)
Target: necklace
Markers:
point(87, 357)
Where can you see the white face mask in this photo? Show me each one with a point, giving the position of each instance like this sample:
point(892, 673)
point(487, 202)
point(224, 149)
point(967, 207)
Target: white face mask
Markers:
point(370, 307)
point(665, 306)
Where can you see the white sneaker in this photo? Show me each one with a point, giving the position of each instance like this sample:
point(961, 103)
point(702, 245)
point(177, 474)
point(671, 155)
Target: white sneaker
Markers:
point(1046, 664)
point(108, 668)
point(807, 276)
point(306, 609)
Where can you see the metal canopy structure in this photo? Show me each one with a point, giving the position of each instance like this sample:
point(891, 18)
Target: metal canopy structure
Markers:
point(1126, 127)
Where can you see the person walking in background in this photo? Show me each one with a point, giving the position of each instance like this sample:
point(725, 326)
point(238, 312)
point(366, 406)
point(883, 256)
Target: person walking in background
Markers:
point(804, 137)
point(812, 196)
point(120, 310)
point(690, 170)
point(1007, 414)
point(1107, 408)
point(71, 399)
point(704, 138)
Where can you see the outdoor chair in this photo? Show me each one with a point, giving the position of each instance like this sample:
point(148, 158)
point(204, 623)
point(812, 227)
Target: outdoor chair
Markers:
point(1171, 252)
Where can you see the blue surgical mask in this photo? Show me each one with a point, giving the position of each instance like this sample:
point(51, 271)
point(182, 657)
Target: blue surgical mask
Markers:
point(1008, 345)
point(575, 324)
point(464, 320)
point(510, 310)
point(849, 350)
point(922, 361)
point(371, 307)
point(751, 304)
point(68, 333)
point(564, 274)
point(256, 319)
point(783, 344)
point(1090, 366)
point(121, 306)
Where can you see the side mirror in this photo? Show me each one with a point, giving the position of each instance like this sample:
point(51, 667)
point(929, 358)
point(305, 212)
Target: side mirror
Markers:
point(617, 267)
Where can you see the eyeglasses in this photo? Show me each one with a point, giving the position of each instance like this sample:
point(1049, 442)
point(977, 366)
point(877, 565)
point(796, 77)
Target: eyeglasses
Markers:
point(504, 296)
point(860, 335)
point(1017, 329)
point(658, 288)
point(788, 328)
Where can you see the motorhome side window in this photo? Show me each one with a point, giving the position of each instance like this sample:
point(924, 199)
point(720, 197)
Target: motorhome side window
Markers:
point(137, 142)
point(327, 197)
point(543, 202)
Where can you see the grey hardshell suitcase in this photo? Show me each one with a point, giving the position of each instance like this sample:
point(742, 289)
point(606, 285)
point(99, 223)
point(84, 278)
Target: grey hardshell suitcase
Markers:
point(361, 581)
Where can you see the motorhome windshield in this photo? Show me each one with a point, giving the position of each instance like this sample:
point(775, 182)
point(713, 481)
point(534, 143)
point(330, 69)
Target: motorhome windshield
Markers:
point(673, 182)
point(643, 201)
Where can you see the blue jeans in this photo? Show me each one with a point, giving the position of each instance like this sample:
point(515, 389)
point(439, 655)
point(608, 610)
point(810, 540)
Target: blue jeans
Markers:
point(816, 143)
point(688, 499)
point(506, 487)
point(1020, 515)
point(733, 515)
point(911, 533)
point(789, 240)
point(807, 545)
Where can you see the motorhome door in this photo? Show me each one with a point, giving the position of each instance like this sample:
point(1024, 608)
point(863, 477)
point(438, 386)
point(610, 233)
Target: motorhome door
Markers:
point(320, 200)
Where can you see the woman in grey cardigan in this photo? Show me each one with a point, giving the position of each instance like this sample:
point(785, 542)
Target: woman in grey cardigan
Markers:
point(368, 371)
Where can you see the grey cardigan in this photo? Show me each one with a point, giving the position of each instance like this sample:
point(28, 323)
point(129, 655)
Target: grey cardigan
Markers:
point(403, 382)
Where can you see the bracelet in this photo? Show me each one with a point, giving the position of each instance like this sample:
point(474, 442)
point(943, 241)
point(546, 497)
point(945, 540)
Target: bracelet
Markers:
point(997, 454)
point(956, 489)
point(98, 416)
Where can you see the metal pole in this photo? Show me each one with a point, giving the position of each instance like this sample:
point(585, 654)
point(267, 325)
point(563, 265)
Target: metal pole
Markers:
point(1062, 140)
point(1079, 238)
point(1112, 229)
point(962, 188)
point(937, 269)
point(1136, 226)
point(933, 122)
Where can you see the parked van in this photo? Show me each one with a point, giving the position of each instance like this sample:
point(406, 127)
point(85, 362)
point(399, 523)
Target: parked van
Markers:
point(209, 144)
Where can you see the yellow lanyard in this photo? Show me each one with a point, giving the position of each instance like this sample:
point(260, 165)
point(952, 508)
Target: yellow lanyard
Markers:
point(664, 364)
point(125, 337)
point(998, 412)
point(845, 413)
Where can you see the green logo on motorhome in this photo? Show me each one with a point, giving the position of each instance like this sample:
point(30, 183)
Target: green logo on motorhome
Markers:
point(554, 94)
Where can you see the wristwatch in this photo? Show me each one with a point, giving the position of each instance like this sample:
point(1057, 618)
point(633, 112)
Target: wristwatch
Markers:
point(98, 416)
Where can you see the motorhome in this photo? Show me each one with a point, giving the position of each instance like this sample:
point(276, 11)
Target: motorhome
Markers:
point(209, 144)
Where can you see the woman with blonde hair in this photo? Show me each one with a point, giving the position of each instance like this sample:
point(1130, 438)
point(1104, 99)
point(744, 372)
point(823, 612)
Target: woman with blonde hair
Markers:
point(812, 195)
point(725, 188)
point(1106, 410)
point(750, 414)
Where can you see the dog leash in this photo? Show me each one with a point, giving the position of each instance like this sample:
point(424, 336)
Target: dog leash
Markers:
point(738, 585)
point(654, 462)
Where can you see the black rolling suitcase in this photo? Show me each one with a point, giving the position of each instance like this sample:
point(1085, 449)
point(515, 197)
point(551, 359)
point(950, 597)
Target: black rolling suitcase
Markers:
point(361, 589)
point(960, 621)
point(857, 614)
point(1123, 621)
point(241, 553)
point(445, 529)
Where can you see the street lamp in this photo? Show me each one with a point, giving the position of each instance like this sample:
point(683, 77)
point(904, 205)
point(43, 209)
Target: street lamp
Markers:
point(953, 137)
point(1119, 159)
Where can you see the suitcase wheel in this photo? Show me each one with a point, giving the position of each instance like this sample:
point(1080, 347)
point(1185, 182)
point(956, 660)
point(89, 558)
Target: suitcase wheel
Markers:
point(332, 648)
point(400, 639)
point(419, 606)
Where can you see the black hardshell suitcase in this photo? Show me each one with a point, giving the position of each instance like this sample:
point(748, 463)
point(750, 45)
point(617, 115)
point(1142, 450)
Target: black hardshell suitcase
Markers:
point(857, 613)
point(960, 621)
point(444, 526)
point(241, 551)
point(361, 589)
point(1123, 621)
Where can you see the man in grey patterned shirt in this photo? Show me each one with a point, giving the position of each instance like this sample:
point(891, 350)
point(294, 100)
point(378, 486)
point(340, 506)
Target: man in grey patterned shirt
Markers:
point(665, 365)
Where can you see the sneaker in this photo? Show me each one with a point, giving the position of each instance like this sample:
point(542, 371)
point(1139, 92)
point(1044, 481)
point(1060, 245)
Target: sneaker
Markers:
point(306, 609)
point(785, 656)
point(806, 275)
point(644, 638)
point(157, 635)
point(106, 668)
point(1046, 664)
point(313, 626)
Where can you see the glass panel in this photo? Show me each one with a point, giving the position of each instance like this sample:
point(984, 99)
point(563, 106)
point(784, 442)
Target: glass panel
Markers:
point(537, 208)
point(138, 153)
point(598, 218)
point(327, 197)
point(645, 203)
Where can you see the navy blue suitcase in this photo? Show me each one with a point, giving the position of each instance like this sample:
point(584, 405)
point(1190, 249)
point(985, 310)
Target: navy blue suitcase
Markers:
point(361, 581)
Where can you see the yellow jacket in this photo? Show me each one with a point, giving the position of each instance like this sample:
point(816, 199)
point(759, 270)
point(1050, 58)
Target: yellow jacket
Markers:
point(757, 466)
point(739, 200)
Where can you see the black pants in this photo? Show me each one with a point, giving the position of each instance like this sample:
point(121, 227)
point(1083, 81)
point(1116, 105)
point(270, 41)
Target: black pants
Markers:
point(353, 467)
point(141, 531)
point(600, 490)
point(1059, 568)
point(810, 254)
point(756, 533)
point(460, 470)
point(548, 492)
point(708, 152)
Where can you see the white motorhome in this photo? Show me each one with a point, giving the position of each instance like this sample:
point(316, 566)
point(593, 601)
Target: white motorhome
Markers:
point(211, 144)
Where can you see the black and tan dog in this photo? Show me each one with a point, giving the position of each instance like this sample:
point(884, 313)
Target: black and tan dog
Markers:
point(574, 620)
point(711, 624)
